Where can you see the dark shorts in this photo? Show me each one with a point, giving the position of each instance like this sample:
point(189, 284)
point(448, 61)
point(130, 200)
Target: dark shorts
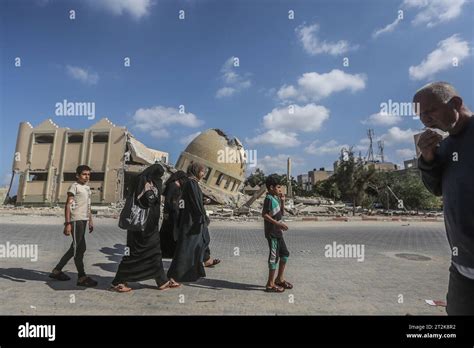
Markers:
point(278, 250)
point(460, 297)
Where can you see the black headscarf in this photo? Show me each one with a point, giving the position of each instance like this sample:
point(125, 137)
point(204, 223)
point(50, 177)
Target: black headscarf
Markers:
point(151, 174)
point(177, 176)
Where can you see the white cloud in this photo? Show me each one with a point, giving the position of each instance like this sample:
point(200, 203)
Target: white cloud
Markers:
point(135, 8)
point(188, 138)
point(406, 153)
point(387, 29)
point(233, 82)
point(313, 86)
point(308, 36)
point(275, 138)
point(155, 120)
point(82, 75)
point(287, 92)
point(441, 58)
point(305, 118)
point(396, 135)
point(382, 119)
point(225, 92)
point(433, 12)
point(278, 164)
point(332, 147)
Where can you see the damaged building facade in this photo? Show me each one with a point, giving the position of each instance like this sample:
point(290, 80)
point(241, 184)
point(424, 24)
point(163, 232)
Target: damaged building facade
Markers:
point(225, 160)
point(46, 157)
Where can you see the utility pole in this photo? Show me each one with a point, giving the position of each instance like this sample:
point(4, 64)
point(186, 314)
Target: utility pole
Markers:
point(370, 152)
point(288, 176)
point(381, 146)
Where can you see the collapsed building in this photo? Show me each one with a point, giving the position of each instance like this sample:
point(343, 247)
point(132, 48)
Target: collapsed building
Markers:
point(225, 160)
point(46, 157)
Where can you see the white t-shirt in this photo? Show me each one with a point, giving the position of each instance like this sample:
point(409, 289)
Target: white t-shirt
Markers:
point(81, 205)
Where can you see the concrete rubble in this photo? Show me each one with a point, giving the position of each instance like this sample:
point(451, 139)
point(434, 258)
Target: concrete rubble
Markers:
point(238, 206)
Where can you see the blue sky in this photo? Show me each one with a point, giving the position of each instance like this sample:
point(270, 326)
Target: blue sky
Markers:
point(283, 64)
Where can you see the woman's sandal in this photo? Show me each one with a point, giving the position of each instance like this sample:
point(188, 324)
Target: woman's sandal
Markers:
point(274, 288)
point(284, 284)
point(214, 262)
point(120, 288)
point(170, 284)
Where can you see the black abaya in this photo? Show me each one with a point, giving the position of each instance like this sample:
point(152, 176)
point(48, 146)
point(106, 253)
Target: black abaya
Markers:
point(169, 231)
point(144, 260)
point(193, 236)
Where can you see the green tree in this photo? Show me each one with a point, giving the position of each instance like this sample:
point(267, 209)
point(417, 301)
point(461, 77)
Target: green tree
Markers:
point(327, 188)
point(408, 187)
point(353, 178)
point(414, 194)
point(256, 178)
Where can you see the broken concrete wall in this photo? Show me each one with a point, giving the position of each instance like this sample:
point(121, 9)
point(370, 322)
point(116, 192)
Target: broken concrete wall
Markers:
point(46, 158)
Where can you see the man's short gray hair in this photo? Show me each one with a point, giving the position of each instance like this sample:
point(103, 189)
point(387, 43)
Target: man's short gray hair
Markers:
point(444, 91)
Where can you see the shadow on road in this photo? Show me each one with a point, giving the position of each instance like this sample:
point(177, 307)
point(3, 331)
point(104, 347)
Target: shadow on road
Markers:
point(115, 255)
point(22, 275)
point(218, 284)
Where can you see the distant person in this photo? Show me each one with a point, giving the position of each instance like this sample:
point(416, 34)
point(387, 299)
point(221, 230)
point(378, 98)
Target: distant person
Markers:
point(193, 240)
point(172, 194)
point(447, 168)
point(272, 212)
point(77, 215)
point(144, 259)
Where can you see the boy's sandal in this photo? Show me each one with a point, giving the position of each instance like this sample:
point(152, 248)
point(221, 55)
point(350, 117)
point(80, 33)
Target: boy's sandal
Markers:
point(59, 276)
point(214, 262)
point(120, 288)
point(274, 288)
point(170, 284)
point(87, 282)
point(284, 284)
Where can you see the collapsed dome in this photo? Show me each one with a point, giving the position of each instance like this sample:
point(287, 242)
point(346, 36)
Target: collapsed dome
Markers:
point(224, 158)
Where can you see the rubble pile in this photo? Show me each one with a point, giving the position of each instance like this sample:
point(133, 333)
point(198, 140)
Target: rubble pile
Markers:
point(239, 207)
point(299, 206)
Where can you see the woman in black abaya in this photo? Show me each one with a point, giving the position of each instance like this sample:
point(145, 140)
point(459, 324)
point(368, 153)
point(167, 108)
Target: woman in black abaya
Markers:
point(193, 239)
point(169, 231)
point(144, 260)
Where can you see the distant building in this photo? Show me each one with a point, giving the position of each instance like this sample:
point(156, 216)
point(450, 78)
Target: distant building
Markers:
point(46, 157)
point(318, 175)
point(410, 167)
point(303, 181)
point(378, 166)
point(410, 164)
point(382, 166)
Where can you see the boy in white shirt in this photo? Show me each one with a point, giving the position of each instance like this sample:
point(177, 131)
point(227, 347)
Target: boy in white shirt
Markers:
point(77, 215)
